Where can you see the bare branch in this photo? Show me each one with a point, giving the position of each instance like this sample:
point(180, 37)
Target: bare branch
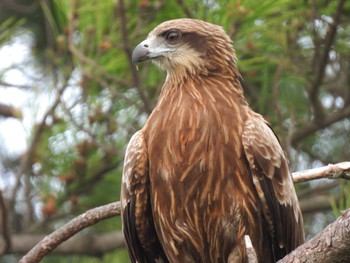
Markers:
point(51, 241)
point(332, 171)
point(11, 85)
point(312, 127)
point(329, 246)
point(90, 243)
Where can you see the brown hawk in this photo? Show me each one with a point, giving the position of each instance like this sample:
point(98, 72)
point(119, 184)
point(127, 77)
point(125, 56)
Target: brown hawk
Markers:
point(205, 170)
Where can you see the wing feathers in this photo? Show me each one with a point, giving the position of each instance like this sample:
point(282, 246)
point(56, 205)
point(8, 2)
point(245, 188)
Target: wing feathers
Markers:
point(273, 184)
point(139, 231)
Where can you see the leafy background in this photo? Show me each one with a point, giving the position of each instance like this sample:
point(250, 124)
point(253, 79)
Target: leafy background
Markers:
point(70, 97)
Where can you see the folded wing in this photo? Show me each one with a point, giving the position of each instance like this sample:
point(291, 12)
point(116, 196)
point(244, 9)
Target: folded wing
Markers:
point(138, 227)
point(274, 186)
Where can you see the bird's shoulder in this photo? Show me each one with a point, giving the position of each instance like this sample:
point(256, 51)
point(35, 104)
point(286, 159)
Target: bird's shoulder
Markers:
point(135, 162)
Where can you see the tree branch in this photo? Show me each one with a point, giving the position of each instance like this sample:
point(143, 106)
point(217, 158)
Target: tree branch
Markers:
point(90, 244)
point(332, 171)
point(322, 62)
point(11, 85)
point(51, 241)
point(92, 216)
point(312, 127)
point(331, 245)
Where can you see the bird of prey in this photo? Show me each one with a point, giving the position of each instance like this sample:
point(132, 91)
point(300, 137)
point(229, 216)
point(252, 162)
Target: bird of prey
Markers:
point(205, 170)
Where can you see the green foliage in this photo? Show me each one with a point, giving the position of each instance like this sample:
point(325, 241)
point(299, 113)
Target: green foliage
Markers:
point(344, 199)
point(9, 28)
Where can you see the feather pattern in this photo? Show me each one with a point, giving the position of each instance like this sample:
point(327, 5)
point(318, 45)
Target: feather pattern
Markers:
point(274, 185)
point(205, 170)
point(139, 232)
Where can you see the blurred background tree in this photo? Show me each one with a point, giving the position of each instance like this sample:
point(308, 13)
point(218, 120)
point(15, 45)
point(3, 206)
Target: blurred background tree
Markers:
point(70, 99)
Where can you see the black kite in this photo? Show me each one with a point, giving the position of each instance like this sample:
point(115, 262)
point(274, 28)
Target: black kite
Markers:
point(205, 170)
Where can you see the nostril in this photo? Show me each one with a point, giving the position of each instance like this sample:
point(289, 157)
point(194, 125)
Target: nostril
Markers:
point(145, 45)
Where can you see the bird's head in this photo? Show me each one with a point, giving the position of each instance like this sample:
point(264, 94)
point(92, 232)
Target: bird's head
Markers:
point(187, 46)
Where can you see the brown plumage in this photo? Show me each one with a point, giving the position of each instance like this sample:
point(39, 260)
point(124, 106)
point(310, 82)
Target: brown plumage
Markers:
point(205, 170)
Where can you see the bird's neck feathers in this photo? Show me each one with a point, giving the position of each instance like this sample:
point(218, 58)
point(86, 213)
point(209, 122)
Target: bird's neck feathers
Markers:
point(221, 79)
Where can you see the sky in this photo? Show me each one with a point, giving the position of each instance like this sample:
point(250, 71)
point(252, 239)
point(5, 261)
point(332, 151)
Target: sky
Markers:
point(12, 131)
point(33, 102)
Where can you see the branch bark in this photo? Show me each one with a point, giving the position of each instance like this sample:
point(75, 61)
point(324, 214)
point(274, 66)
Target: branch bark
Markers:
point(331, 245)
point(332, 171)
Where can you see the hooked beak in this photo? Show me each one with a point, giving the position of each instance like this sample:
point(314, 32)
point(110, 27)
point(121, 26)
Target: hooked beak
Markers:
point(141, 52)
point(149, 49)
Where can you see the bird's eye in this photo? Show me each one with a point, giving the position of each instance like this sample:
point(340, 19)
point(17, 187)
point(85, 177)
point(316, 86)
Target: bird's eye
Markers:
point(173, 36)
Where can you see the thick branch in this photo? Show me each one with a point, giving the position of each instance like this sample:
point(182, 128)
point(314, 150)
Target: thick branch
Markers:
point(91, 244)
point(51, 241)
point(332, 171)
point(331, 245)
